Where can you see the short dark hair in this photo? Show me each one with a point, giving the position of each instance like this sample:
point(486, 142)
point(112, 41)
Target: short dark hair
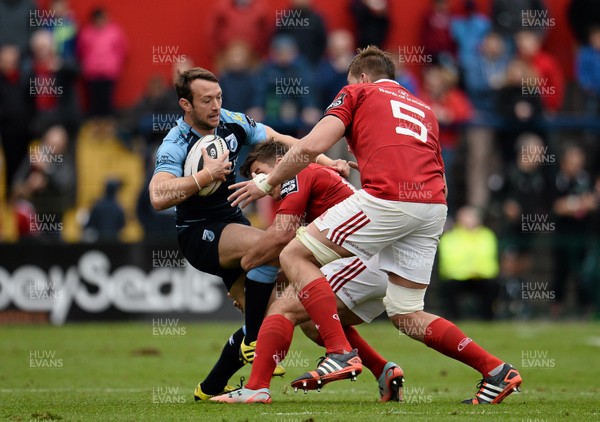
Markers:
point(374, 62)
point(184, 80)
point(267, 152)
point(97, 13)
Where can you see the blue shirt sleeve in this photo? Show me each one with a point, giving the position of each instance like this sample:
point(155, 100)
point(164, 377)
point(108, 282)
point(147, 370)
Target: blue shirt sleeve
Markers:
point(170, 157)
point(255, 132)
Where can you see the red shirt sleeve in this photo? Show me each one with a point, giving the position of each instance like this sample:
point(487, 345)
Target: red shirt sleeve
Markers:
point(342, 106)
point(295, 194)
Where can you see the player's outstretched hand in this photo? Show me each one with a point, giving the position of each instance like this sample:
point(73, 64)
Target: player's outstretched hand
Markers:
point(245, 193)
point(217, 167)
point(343, 167)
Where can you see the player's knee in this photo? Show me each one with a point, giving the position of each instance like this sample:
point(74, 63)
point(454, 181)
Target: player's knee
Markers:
point(284, 306)
point(288, 313)
point(276, 308)
point(287, 256)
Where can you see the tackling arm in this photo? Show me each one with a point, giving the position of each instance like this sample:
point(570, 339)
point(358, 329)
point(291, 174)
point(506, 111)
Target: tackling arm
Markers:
point(323, 136)
point(290, 141)
point(272, 242)
point(341, 166)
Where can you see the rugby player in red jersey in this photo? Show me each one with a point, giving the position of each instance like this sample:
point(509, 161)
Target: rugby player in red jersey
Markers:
point(360, 287)
point(399, 213)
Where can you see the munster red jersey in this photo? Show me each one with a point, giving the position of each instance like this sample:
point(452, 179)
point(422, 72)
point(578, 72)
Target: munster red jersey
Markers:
point(312, 192)
point(394, 137)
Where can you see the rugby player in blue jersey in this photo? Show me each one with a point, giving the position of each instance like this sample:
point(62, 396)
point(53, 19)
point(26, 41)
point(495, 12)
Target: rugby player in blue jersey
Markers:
point(212, 234)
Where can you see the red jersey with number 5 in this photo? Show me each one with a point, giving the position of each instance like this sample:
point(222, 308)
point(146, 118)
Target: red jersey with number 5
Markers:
point(394, 137)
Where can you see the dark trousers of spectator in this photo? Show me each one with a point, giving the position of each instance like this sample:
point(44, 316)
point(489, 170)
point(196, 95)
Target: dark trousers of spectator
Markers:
point(485, 291)
point(14, 136)
point(569, 254)
point(100, 93)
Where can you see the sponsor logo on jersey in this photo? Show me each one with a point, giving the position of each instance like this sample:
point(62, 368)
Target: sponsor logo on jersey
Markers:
point(251, 121)
point(232, 142)
point(288, 187)
point(337, 102)
point(208, 235)
point(165, 159)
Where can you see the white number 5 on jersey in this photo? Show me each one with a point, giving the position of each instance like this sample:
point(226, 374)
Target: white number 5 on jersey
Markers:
point(397, 108)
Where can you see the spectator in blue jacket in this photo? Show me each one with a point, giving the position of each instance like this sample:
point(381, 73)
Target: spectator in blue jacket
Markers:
point(333, 69)
point(485, 72)
point(285, 94)
point(588, 69)
point(468, 31)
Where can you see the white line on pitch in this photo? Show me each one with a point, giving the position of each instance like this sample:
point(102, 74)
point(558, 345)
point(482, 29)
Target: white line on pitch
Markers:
point(62, 390)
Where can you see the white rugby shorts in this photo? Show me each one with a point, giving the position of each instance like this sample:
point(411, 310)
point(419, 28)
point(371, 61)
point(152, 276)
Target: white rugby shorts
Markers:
point(360, 285)
point(404, 234)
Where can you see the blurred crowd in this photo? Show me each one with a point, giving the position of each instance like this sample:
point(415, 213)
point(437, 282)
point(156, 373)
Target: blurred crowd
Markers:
point(519, 139)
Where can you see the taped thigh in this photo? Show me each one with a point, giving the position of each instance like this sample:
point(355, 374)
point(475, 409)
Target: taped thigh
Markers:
point(323, 253)
point(401, 300)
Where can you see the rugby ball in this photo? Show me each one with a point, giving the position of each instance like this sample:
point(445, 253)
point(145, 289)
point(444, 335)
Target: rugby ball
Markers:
point(215, 147)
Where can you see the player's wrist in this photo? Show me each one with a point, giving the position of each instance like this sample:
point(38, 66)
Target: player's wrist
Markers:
point(196, 180)
point(202, 178)
point(209, 173)
point(260, 180)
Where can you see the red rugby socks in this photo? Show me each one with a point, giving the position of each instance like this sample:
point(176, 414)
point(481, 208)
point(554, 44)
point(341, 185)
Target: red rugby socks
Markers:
point(448, 339)
point(319, 301)
point(369, 356)
point(273, 343)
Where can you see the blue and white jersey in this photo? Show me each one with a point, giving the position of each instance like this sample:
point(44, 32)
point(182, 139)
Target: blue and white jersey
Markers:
point(236, 129)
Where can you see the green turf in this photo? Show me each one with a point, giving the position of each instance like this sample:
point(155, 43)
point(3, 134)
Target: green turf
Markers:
point(101, 372)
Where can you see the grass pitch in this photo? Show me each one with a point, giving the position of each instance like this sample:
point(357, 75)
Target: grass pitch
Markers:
point(135, 372)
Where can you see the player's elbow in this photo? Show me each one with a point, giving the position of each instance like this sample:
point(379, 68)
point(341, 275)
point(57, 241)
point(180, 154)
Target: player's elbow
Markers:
point(159, 202)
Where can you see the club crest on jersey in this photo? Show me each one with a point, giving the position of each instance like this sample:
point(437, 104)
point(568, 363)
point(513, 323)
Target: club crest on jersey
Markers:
point(288, 187)
point(232, 142)
point(337, 102)
point(208, 235)
point(251, 121)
